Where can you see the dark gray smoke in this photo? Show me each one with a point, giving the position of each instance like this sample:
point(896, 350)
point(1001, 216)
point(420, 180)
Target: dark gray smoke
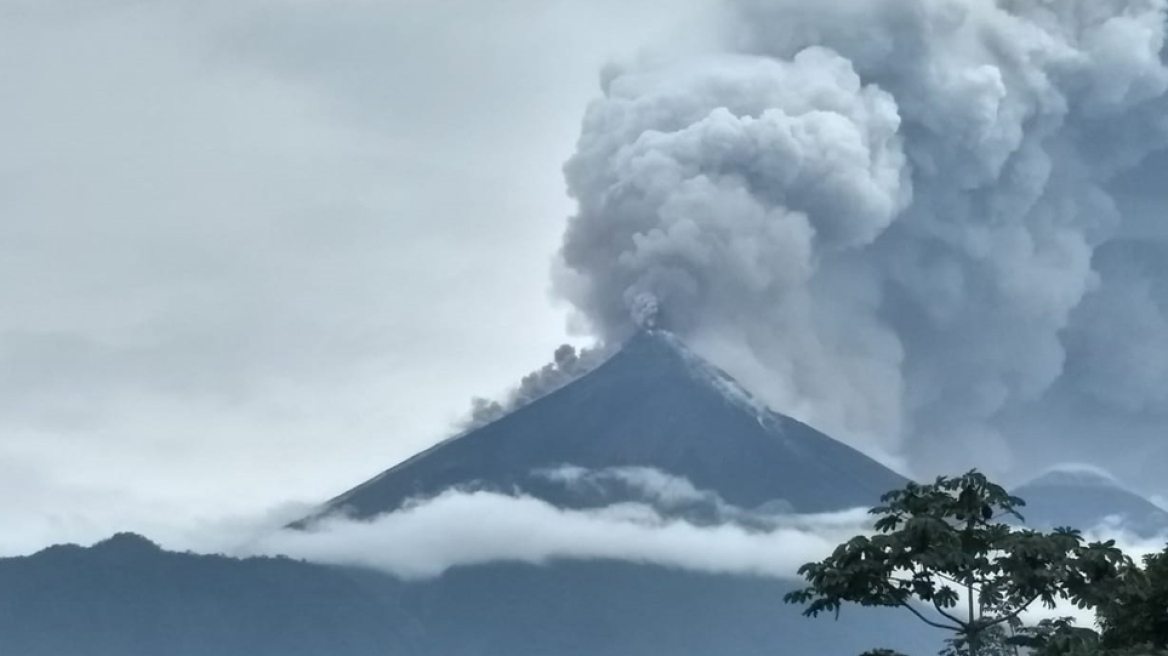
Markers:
point(567, 365)
point(905, 221)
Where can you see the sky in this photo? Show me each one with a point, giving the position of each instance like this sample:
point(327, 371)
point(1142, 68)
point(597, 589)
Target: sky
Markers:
point(254, 252)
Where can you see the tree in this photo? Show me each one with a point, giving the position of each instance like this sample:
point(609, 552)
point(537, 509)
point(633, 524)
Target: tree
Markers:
point(1133, 622)
point(1059, 637)
point(947, 544)
point(1136, 616)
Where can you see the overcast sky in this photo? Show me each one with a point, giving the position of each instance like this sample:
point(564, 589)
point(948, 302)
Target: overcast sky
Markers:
point(254, 252)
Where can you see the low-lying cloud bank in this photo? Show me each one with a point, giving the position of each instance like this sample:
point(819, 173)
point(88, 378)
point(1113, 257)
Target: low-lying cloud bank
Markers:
point(458, 528)
point(464, 527)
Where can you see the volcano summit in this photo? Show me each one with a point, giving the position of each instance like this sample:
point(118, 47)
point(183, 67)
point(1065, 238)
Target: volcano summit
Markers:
point(653, 404)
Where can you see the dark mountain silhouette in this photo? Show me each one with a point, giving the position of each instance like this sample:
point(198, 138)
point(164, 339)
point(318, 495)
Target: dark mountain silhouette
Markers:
point(599, 608)
point(1083, 499)
point(653, 404)
point(127, 597)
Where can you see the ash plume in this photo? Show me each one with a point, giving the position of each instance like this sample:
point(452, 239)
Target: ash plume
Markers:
point(567, 365)
point(892, 218)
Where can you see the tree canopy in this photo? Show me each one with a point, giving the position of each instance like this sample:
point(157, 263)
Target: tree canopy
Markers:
point(948, 553)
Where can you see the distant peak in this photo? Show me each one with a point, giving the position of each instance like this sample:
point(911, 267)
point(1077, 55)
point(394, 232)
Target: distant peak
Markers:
point(125, 541)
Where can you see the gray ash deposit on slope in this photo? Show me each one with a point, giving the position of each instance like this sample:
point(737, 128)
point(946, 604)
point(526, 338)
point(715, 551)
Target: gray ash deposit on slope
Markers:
point(1083, 498)
point(654, 405)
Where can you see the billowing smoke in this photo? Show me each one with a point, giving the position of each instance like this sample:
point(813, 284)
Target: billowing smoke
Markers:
point(892, 218)
point(567, 365)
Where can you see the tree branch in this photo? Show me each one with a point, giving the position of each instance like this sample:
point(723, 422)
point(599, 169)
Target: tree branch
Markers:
point(947, 615)
point(969, 591)
point(927, 620)
point(1009, 616)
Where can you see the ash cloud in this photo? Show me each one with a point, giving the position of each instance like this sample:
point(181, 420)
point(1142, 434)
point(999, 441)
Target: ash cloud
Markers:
point(893, 219)
point(567, 365)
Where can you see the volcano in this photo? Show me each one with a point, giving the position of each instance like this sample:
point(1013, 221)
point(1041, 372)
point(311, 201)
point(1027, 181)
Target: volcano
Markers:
point(653, 404)
point(1084, 498)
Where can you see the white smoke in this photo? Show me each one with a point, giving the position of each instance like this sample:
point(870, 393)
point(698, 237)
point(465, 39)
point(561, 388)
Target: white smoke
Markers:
point(883, 216)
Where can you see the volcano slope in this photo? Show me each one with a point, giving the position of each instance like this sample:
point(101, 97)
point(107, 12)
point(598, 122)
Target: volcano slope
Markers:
point(654, 404)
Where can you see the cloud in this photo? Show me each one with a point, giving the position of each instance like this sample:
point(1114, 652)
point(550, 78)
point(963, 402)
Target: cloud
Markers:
point(46, 510)
point(275, 245)
point(653, 485)
point(669, 494)
point(463, 528)
point(459, 528)
point(899, 221)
